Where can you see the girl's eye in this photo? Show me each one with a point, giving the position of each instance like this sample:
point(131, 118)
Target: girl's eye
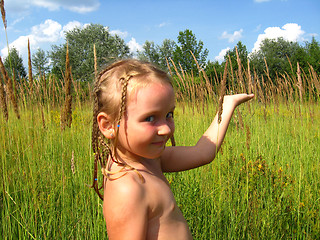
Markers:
point(149, 119)
point(170, 115)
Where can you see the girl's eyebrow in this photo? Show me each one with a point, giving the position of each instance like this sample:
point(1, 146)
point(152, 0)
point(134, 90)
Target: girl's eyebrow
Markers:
point(153, 112)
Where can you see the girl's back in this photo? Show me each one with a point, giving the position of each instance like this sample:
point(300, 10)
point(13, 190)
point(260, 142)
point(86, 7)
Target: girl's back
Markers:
point(148, 206)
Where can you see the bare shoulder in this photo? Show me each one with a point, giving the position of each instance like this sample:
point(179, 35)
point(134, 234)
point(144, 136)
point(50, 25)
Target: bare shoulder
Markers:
point(125, 207)
point(125, 190)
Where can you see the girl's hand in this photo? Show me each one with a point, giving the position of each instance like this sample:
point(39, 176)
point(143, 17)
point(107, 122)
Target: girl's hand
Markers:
point(237, 99)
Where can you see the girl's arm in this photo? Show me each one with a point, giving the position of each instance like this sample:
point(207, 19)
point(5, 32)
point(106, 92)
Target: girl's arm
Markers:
point(182, 158)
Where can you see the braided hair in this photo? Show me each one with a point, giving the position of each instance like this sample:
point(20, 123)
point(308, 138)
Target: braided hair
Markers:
point(110, 93)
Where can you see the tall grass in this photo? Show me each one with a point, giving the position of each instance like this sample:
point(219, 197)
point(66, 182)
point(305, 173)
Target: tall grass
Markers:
point(267, 190)
point(40, 195)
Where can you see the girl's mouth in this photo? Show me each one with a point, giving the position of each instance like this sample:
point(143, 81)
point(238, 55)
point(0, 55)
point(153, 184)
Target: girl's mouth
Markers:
point(160, 143)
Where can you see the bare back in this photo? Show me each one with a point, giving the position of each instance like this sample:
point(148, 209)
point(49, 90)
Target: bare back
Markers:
point(148, 211)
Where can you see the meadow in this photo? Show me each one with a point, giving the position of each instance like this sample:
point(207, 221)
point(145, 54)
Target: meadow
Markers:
point(262, 186)
point(264, 183)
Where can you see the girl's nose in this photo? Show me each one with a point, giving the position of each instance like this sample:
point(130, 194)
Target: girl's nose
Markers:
point(164, 129)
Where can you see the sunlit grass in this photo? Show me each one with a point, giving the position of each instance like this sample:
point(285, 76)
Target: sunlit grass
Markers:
point(257, 187)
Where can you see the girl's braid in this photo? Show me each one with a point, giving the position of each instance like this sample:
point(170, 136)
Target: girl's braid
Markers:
point(100, 149)
point(124, 83)
point(95, 145)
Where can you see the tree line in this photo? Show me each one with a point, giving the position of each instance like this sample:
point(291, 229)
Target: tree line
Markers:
point(93, 45)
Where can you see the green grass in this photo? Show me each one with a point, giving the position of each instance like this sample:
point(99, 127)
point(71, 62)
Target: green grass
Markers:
point(265, 188)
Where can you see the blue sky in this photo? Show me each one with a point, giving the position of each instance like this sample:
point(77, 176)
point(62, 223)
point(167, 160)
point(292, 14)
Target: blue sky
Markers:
point(220, 24)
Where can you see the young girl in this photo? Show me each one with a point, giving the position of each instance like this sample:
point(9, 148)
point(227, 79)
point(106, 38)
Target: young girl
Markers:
point(132, 121)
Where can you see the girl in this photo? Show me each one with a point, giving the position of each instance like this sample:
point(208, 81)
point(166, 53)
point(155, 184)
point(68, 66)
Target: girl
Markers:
point(132, 121)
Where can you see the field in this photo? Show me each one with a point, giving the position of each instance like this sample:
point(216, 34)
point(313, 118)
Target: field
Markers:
point(264, 184)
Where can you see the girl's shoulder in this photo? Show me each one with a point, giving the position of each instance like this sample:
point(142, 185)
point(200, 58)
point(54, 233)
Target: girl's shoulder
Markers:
point(123, 180)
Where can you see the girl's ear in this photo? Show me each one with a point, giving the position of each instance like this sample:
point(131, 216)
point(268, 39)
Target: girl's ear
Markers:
point(105, 125)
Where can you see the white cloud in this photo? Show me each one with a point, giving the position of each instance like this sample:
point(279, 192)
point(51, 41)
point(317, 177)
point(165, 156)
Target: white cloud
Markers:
point(69, 26)
point(52, 6)
point(221, 55)
point(41, 35)
point(119, 33)
point(134, 46)
point(79, 6)
point(49, 31)
point(84, 8)
point(236, 35)
point(290, 32)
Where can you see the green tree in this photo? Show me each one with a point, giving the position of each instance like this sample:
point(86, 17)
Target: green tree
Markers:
point(14, 62)
point(166, 51)
point(158, 54)
point(150, 53)
point(214, 71)
point(40, 62)
point(242, 53)
point(187, 43)
point(276, 52)
point(313, 54)
point(81, 43)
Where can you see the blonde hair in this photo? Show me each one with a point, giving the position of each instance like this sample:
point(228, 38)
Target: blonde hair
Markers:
point(111, 91)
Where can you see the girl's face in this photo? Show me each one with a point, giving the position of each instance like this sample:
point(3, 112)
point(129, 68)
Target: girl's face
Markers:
point(148, 122)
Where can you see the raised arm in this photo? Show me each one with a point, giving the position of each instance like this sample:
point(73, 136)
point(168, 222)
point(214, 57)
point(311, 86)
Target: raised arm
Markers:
point(182, 158)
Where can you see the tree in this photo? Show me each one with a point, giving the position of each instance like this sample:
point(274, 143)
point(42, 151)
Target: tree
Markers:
point(242, 53)
point(276, 52)
point(15, 62)
point(81, 43)
point(150, 53)
point(156, 54)
point(313, 52)
point(166, 51)
point(214, 71)
point(40, 62)
point(188, 44)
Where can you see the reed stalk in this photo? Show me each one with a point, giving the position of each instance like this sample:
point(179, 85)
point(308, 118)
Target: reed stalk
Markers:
point(9, 88)
point(66, 115)
point(3, 103)
point(223, 90)
point(30, 77)
point(95, 61)
point(250, 87)
point(232, 75)
point(203, 75)
point(248, 137)
point(240, 77)
point(3, 14)
point(315, 79)
point(299, 83)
